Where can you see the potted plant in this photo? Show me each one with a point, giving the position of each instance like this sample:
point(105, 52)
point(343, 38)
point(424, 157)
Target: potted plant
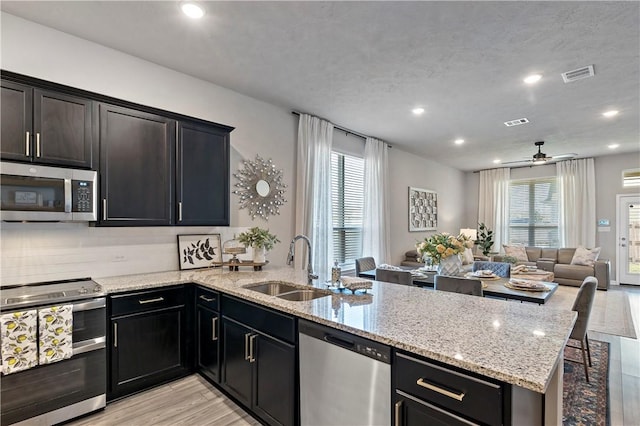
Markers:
point(260, 240)
point(485, 239)
point(443, 250)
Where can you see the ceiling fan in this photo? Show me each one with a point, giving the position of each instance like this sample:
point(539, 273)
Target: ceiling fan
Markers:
point(542, 158)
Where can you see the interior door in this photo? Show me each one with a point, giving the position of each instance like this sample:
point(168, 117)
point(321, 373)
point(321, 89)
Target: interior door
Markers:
point(628, 253)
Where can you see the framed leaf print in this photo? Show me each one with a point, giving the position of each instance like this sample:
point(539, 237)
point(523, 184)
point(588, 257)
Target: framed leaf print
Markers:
point(198, 250)
point(423, 210)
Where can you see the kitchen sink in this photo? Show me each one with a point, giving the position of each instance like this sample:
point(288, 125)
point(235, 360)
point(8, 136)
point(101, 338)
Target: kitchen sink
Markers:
point(304, 295)
point(288, 291)
point(272, 288)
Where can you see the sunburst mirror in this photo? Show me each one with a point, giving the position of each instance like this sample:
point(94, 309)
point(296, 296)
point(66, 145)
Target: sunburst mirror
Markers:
point(260, 188)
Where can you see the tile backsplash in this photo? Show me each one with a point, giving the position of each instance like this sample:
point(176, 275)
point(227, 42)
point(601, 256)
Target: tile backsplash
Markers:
point(33, 252)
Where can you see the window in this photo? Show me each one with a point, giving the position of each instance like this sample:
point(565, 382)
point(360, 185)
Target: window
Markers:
point(534, 212)
point(630, 178)
point(347, 182)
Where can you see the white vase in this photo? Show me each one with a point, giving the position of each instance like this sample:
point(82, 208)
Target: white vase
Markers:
point(259, 254)
point(450, 265)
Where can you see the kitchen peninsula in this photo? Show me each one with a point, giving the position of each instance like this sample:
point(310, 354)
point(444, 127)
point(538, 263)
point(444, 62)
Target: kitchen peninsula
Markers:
point(516, 344)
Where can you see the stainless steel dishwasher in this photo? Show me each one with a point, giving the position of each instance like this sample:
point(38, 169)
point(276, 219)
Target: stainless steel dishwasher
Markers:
point(344, 379)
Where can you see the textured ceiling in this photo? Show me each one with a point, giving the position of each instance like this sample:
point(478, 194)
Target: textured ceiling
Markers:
point(365, 65)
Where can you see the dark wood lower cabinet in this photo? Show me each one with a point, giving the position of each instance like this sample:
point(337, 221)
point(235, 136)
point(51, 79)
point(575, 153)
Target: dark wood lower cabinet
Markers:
point(237, 368)
point(259, 369)
point(411, 411)
point(208, 322)
point(275, 374)
point(149, 344)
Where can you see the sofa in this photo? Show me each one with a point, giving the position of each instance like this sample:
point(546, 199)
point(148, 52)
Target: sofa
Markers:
point(558, 261)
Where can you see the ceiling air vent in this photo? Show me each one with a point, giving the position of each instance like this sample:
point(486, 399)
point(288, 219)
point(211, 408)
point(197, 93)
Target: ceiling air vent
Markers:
point(579, 74)
point(517, 122)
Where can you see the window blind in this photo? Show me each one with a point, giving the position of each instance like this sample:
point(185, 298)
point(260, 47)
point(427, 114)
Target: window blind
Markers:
point(534, 215)
point(347, 183)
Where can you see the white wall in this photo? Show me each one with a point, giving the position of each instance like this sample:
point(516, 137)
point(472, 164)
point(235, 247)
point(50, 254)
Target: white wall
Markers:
point(410, 170)
point(608, 170)
point(33, 252)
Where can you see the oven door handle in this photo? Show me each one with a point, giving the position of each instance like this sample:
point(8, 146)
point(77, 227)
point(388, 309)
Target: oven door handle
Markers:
point(89, 345)
point(91, 304)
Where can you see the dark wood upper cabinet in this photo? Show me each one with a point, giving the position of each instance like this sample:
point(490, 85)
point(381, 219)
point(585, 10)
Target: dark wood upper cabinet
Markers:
point(136, 167)
point(62, 127)
point(45, 127)
point(17, 121)
point(202, 182)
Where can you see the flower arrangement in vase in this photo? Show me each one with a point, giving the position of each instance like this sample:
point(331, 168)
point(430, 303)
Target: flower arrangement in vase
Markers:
point(444, 248)
point(260, 240)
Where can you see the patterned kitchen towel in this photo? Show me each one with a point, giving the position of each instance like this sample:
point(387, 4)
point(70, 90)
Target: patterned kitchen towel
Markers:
point(56, 333)
point(18, 340)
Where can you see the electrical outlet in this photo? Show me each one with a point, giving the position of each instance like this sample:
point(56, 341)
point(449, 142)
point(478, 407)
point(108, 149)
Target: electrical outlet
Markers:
point(118, 258)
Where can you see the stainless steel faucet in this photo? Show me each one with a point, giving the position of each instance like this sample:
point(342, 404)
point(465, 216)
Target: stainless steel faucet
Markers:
point(292, 248)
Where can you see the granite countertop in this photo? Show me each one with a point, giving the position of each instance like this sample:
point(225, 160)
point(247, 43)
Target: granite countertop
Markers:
point(518, 343)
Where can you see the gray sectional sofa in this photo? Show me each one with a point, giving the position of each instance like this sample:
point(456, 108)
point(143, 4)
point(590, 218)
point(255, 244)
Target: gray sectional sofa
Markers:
point(558, 261)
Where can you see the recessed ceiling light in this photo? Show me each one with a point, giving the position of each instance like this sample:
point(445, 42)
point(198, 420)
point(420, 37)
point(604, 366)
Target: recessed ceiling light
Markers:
point(533, 78)
point(497, 161)
point(613, 146)
point(459, 141)
point(611, 113)
point(192, 10)
point(417, 111)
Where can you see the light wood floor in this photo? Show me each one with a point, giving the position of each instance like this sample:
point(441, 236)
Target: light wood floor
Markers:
point(193, 401)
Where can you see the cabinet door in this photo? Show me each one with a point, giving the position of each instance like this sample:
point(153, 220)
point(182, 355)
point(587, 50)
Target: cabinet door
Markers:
point(146, 349)
point(62, 127)
point(16, 102)
point(275, 393)
point(237, 368)
point(411, 411)
point(136, 167)
point(208, 343)
point(203, 175)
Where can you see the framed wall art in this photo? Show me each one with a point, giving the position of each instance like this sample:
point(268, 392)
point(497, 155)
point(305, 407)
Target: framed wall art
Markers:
point(198, 250)
point(423, 210)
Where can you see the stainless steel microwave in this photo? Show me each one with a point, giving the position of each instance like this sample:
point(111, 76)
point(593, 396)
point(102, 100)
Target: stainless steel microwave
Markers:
point(41, 193)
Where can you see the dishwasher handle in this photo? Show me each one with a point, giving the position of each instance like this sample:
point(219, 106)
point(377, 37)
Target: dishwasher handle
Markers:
point(338, 341)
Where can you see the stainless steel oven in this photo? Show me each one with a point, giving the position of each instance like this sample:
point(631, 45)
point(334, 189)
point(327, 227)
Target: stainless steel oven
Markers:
point(30, 192)
point(52, 393)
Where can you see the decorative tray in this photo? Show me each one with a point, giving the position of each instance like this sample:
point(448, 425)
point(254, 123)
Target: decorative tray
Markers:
point(233, 266)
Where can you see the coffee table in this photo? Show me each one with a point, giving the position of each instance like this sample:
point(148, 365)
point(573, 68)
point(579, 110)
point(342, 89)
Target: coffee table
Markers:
point(491, 288)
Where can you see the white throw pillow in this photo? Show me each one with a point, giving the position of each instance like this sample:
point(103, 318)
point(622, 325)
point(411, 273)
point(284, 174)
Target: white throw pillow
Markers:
point(467, 256)
point(517, 251)
point(584, 256)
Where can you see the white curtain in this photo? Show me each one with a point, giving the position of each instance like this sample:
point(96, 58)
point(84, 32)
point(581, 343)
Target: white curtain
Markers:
point(493, 204)
point(375, 227)
point(313, 192)
point(577, 185)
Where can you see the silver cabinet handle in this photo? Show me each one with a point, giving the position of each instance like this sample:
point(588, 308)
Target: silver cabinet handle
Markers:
point(27, 144)
point(104, 209)
point(207, 299)
point(157, 299)
point(246, 346)
point(38, 144)
point(251, 341)
point(424, 384)
point(115, 334)
point(214, 335)
point(398, 407)
point(179, 211)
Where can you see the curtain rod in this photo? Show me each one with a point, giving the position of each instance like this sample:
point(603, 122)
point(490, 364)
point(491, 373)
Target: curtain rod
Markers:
point(529, 165)
point(341, 128)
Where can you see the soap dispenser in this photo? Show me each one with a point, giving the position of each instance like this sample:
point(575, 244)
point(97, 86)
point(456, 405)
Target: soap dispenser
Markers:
point(335, 273)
